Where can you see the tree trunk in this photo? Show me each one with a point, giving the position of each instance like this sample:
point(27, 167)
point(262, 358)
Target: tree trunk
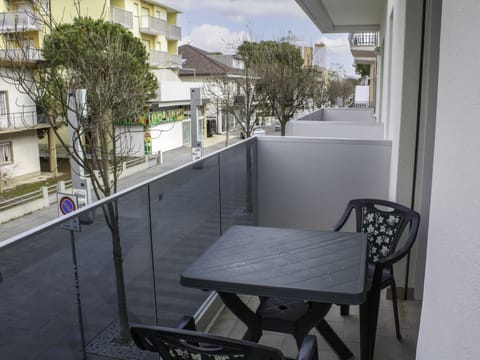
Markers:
point(124, 336)
point(227, 127)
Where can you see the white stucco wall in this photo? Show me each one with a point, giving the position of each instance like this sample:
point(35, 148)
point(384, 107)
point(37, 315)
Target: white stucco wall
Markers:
point(167, 136)
point(394, 30)
point(25, 143)
point(450, 320)
point(336, 129)
point(26, 158)
point(17, 102)
point(348, 114)
point(175, 90)
point(307, 182)
point(132, 140)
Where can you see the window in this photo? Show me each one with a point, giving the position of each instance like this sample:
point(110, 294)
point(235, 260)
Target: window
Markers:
point(5, 153)
point(4, 123)
point(3, 103)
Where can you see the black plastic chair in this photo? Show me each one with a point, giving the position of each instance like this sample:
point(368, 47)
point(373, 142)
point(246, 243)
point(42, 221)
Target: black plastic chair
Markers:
point(178, 343)
point(286, 316)
point(384, 223)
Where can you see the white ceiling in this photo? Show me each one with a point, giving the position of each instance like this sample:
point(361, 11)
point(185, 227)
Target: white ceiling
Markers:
point(344, 15)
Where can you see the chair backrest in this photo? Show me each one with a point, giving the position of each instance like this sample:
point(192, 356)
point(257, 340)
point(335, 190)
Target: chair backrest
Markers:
point(384, 222)
point(173, 343)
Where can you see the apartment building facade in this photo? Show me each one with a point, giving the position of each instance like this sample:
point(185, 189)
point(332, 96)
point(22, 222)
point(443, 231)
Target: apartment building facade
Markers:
point(151, 21)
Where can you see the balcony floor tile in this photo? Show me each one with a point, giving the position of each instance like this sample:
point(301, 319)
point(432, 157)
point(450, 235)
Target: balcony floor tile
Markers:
point(387, 346)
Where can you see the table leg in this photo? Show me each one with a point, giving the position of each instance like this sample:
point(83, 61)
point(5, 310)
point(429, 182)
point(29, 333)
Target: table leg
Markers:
point(333, 340)
point(368, 324)
point(244, 314)
point(308, 321)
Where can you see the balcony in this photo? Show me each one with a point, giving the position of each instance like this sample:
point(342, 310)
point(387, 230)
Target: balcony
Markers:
point(158, 58)
point(19, 120)
point(174, 32)
point(20, 21)
point(153, 26)
point(22, 56)
point(163, 59)
point(175, 60)
point(363, 46)
point(122, 17)
point(165, 224)
point(347, 123)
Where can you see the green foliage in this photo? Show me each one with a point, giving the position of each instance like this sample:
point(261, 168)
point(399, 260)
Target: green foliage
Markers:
point(362, 69)
point(23, 189)
point(340, 88)
point(283, 81)
point(104, 58)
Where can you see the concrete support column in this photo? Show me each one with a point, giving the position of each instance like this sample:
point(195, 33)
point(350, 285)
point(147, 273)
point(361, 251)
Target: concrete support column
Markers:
point(373, 85)
point(52, 152)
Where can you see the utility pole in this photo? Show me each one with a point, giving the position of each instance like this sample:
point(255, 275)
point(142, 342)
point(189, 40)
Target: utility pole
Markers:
point(196, 127)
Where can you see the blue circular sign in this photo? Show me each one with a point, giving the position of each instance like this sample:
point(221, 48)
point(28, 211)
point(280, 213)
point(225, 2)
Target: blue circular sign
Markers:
point(67, 205)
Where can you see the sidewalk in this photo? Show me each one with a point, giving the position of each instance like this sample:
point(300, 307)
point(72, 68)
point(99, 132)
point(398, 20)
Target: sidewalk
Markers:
point(171, 160)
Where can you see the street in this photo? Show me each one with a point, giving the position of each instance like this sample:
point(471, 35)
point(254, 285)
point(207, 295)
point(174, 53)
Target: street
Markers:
point(171, 160)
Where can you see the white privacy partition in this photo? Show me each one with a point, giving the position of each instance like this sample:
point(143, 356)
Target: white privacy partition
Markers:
point(307, 182)
point(371, 130)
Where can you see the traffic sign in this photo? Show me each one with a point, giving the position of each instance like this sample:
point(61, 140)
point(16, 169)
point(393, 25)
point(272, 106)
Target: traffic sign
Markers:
point(68, 203)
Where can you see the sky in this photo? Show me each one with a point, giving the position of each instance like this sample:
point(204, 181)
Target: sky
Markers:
point(217, 25)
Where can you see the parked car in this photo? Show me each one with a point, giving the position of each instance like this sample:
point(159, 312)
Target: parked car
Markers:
point(258, 131)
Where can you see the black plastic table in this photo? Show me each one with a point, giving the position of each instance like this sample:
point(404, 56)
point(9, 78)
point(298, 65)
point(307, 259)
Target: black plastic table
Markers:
point(316, 266)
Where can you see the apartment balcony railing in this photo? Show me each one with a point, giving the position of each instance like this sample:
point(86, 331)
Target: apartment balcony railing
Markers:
point(174, 32)
point(19, 120)
point(52, 277)
point(158, 58)
point(175, 60)
point(164, 59)
point(122, 17)
point(153, 26)
point(17, 22)
point(363, 46)
point(20, 55)
point(363, 39)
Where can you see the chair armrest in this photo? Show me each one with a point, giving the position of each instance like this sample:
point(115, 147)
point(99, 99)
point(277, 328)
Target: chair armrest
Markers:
point(393, 258)
point(400, 253)
point(344, 218)
point(186, 323)
point(309, 349)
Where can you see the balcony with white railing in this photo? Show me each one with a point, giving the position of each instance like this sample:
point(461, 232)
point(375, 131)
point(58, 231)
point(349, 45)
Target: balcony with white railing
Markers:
point(19, 120)
point(58, 283)
point(175, 60)
point(350, 123)
point(15, 56)
point(122, 17)
point(158, 58)
point(153, 26)
point(19, 21)
point(174, 32)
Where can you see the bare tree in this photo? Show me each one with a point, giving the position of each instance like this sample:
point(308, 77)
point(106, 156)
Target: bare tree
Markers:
point(225, 93)
point(93, 75)
point(340, 89)
point(283, 80)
